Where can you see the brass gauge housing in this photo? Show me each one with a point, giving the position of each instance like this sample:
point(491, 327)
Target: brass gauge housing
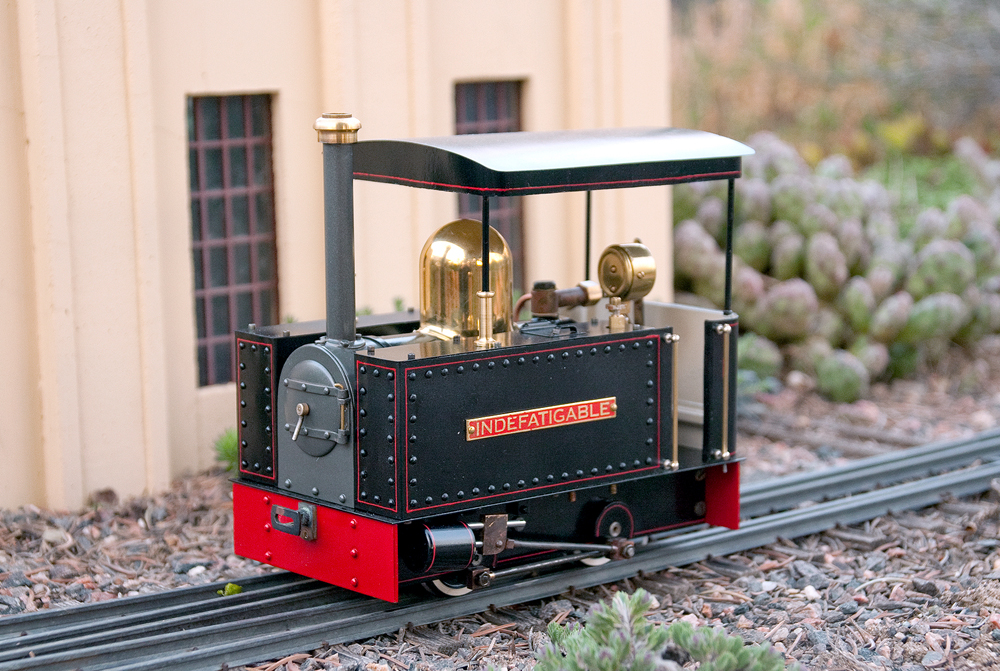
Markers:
point(627, 271)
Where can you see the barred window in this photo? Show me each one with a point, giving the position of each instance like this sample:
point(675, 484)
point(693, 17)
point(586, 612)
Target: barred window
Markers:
point(493, 107)
point(232, 224)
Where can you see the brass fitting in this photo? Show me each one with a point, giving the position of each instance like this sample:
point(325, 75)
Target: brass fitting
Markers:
point(337, 128)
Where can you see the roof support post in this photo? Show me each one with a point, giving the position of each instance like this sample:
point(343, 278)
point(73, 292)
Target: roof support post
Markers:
point(729, 246)
point(586, 251)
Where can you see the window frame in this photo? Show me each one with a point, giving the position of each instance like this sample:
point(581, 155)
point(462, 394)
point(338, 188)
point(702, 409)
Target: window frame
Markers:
point(502, 115)
point(233, 227)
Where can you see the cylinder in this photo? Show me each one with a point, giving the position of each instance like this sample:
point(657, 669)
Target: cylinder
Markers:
point(338, 133)
point(438, 549)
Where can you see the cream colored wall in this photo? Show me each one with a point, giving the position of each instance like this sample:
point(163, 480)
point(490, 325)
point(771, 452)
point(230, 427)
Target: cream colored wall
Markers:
point(96, 266)
point(200, 48)
point(20, 402)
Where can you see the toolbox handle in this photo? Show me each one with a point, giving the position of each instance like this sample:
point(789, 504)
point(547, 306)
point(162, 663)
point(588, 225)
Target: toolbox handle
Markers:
point(302, 522)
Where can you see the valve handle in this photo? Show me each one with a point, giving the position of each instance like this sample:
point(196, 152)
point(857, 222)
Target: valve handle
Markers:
point(302, 409)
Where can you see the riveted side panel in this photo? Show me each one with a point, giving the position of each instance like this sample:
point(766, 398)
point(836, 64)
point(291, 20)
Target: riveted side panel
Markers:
point(488, 427)
point(719, 429)
point(260, 354)
point(380, 429)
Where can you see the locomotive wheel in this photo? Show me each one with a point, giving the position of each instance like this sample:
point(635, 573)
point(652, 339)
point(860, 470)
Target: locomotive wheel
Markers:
point(614, 521)
point(595, 561)
point(450, 586)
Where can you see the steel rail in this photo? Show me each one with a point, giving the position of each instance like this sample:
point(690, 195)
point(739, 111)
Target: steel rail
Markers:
point(767, 496)
point(268, 622)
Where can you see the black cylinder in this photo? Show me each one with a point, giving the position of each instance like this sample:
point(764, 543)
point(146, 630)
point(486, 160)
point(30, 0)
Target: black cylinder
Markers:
point(438, 549)
point(338, 200)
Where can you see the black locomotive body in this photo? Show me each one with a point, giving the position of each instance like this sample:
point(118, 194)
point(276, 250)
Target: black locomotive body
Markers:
point(394, 449)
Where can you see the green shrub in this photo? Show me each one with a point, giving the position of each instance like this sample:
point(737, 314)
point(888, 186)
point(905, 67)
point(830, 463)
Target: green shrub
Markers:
point(226, 449)
point(619, 637)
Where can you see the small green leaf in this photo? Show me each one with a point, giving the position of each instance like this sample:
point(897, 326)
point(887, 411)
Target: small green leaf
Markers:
point(230, 589)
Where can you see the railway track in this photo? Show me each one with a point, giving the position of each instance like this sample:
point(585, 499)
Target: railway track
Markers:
point(193, 629)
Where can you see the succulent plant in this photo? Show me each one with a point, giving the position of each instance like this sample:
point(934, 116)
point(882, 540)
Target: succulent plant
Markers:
point(876, 198)
point(972, 155)
point(941, 266)
point(695, 251)
point(984, 318)
point(712, 216)
point(964, 211)
point(838, 256)
point(773, 157)
point(842, 196)
point(829, 325)
point(882, 282)
point(835, 166)
point(804, 356)
point(881, 226)
point(760, 355)
point(853, 243)
point(857, 303)
point(790, 195)
point(939, 315)
point(825, 266)
point(892, 255)
point(841, 377)
point(751, 244)
point(874, 356)
point(748, 290)
point(930, 224)
point(788, 257)
point(787, 310)
point(891, 317)
point(712, 285)
point(817, 218)
point(903, 360)
point(685, 201)
point(983, 240)
point(754, 199)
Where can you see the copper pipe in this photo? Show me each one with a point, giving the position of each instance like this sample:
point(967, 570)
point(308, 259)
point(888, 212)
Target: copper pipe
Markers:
point(521, 302)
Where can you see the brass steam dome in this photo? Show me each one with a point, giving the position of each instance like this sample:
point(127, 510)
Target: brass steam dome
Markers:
point(451, 275)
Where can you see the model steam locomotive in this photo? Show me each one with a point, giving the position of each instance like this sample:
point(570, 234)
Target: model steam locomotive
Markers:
point(387, 450)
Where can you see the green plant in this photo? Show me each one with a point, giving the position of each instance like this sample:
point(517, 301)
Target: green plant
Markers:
point(226, 450)
point(619, 637)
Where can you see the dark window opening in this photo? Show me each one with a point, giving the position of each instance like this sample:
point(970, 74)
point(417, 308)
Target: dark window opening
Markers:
point(232, 225)
point(493, 107)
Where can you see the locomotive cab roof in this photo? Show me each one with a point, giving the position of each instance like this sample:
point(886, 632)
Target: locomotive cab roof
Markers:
point(522, 163)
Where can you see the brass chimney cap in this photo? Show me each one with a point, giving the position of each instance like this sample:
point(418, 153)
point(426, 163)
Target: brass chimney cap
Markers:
point(337, 128)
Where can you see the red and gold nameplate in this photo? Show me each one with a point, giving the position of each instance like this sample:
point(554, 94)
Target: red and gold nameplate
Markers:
point(540, 418)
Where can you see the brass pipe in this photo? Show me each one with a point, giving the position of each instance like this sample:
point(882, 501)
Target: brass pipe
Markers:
point(675, 340)
point(725, 330)
point(485, 339)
